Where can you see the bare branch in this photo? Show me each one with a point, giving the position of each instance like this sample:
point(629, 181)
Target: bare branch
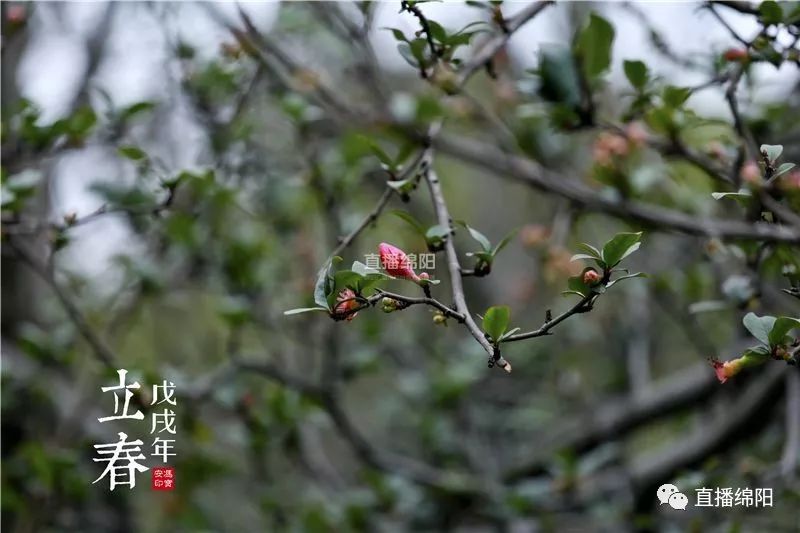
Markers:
point(526, 171)
point(454, 268)
point(488, 50)
point(584, 305)
point(617, 417)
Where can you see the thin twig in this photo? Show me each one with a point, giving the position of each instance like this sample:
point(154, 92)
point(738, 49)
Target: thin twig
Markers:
point(584, 305)
point(496, 43)
point(373, 215)
point(454, 268)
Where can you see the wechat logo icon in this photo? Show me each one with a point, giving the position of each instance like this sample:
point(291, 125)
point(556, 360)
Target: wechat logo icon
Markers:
point(670, 495)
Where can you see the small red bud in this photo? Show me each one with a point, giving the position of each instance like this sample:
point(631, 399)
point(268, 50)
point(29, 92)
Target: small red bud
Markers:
point(735, 54)
point(750, 173)
point(347, 301)
point(424, 276)
point(396, 262)
point(16, 14)
point(591, 277)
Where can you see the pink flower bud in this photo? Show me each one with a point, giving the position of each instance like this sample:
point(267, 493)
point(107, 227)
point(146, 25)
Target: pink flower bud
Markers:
point(735, 54)
point(347, 301)
point(750, 173)
point(16, 14)
point(724, 370)
point(728, 369)
point(591, 277)
point(395, 262)
point(636, 133)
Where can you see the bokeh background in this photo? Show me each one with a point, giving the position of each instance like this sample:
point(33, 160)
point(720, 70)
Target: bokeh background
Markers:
point(169, 191)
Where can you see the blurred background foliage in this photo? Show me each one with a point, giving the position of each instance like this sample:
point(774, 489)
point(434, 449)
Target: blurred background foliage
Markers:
point(167, 235)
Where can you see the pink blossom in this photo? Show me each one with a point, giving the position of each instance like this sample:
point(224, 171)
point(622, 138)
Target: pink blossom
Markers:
point(395, 262)
point(722, 370)
point(347, 301)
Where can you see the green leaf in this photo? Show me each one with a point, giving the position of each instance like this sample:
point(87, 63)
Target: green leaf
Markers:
point(594, 46)
point(783, 325)
point(637, 74)
point(486, 257)
point(620, 247)
point(323, 287)
point(437, 31)
point(509, 333)
point(591, 250)
point(783, 169)
point(478, 236)
point(437, 230)
point(408, 217)
point(363, 270)
point(503, 242)
point(418, 47)
point(495, 321)
point(675, 96)
point(770, 12)
point(462, 38)
point(135, 109)
point(132, 152)
point(398, 34)
point(742, 193)
point(407, 54)
point(759, 326)
point(772, 151)
point(381, 154)
point(347, 279)
point(559, 78)
point(628, 276)
point(366, 277)
point(82, 121)
point(756, 355)
point(437, 233)
point(571, 292)
point(403, 186)
point(578, 257)
point(299, 310)
point(576, 285)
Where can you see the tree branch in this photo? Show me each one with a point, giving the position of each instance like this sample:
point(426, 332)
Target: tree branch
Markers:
point(102, 352)
point(584, 305)
point(614, 419)
point(454, 268)
point(528, 172)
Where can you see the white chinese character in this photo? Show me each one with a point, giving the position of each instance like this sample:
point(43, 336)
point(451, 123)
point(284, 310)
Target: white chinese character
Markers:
point(167, 419)
point(163, 448)
point(391, 261)
point(169, 393)
point(121, 452)
point(412, 261)
point(724, 497)
point(744, 497)
point(373, 261)
point(764, 497)
point(128, 395)
point(427, 261)
point(704, 497)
